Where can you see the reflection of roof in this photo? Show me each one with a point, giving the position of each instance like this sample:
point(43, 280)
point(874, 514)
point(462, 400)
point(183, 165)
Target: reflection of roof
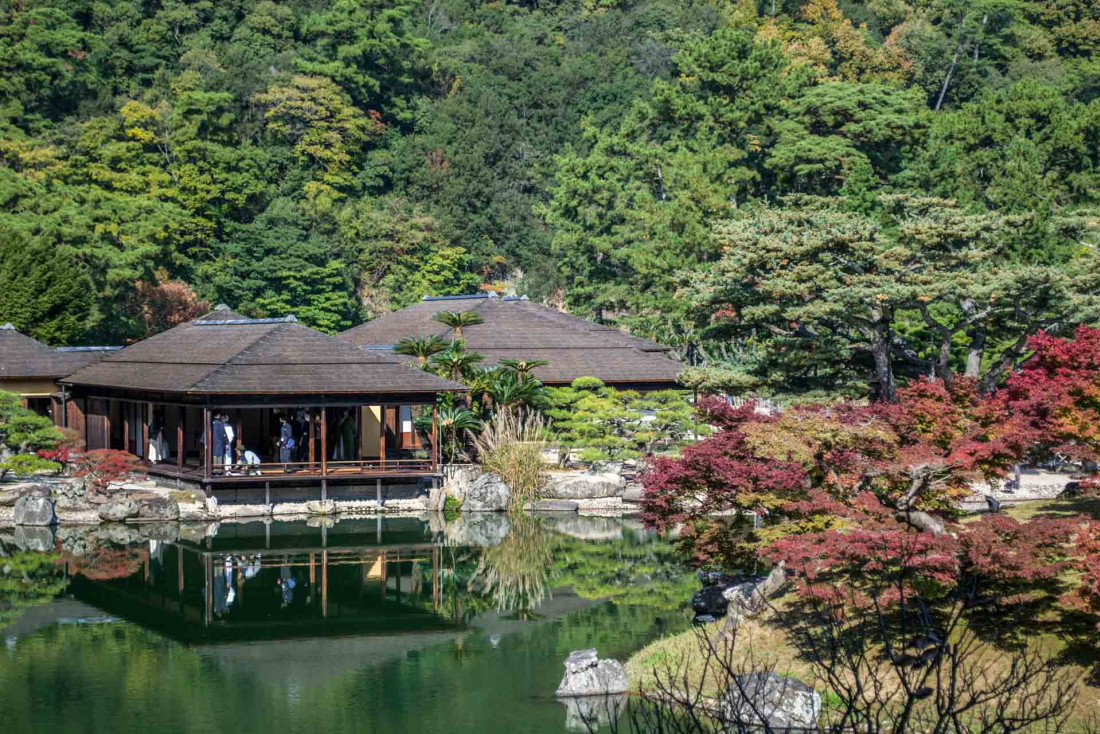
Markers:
point(22, 356)
point(223, 352)
point(310, 661)
point(516, 328)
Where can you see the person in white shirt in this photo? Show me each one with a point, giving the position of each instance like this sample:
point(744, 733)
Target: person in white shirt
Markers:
point(250, 462)
point(229, 436)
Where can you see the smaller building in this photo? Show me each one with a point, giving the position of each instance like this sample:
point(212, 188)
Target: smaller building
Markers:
point(30, 369)
point(516, 328)
point(226, 401)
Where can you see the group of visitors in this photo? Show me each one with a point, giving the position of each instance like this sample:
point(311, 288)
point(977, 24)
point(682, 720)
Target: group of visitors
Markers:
point(230, 457)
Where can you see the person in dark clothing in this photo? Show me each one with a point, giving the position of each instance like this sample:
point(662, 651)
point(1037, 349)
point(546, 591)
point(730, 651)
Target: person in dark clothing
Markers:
point(219, 440)
point(286, 441)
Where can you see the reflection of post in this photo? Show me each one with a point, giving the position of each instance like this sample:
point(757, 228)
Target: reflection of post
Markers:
point(324, 583)
point(312, 571)
point(383, 575)
point(435, 578)
point(209, 588)
point(179, 568)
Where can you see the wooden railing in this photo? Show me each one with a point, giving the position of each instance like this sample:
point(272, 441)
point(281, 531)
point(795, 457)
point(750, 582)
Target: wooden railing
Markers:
point(333, 469)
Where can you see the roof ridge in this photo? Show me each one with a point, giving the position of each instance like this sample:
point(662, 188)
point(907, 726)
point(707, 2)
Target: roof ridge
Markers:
point(252, 344)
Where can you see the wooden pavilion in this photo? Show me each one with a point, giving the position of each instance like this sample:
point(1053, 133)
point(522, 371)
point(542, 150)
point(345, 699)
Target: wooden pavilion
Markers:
point(31, 369)
point(516, 328)
point(351, 410)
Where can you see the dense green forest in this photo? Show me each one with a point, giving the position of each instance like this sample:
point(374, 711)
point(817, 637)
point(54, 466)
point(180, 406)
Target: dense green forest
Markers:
point(755, 183)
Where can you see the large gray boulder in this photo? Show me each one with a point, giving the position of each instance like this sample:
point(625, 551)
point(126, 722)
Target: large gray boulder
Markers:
point(10, 493)
point(583, 486)
point(119, 509)
point(31, 509)
point(587, 675)
point(784, 704)
point(158, 509)
point(749, 598)
point(487, 493)
point(633, 492)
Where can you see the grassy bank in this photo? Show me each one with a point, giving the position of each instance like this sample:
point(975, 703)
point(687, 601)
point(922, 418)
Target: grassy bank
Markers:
point(763, 644)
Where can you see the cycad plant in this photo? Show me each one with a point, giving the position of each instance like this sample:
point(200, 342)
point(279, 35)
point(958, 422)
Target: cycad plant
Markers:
point(523, 367)
point(422, 347)
point(456, 422)
point(455, 363)
point(458, 320)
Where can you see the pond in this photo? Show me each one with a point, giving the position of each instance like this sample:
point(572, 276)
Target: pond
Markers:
point(375, 625)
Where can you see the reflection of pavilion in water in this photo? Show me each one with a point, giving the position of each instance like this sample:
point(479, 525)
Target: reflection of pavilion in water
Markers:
point(281, 580)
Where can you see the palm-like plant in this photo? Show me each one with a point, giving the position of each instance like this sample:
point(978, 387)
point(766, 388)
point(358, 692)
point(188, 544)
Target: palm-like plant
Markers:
point(511, 390)
point(523, 367)
point(455, 363)
point(422, 347)
point(458, 320)
point(455, 420)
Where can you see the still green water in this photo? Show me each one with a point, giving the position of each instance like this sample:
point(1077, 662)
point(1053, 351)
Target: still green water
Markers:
point(399, 626)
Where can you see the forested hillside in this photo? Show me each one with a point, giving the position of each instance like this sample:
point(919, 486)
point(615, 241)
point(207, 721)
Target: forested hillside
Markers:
point(340, 158)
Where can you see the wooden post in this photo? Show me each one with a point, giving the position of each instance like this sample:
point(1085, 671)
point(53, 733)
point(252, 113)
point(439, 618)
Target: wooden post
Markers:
point(311, 433)
point(145, 431)
point(435, 438)
point(378, 494)
point(359, 435)
point(207, 449)
point(125, 426)
point(179, 438)
point(382, 437)
point(324, 442)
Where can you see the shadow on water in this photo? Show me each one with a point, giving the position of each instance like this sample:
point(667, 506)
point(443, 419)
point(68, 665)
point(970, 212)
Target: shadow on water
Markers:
point(397, 624)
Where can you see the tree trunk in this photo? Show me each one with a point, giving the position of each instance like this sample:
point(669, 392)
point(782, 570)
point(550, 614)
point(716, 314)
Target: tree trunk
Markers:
point(885, 386)
point(974, 353)
point(989, 381)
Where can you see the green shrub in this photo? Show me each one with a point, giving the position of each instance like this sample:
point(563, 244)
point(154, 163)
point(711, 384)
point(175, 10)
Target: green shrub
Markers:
point(452, 508)
point(26, 464)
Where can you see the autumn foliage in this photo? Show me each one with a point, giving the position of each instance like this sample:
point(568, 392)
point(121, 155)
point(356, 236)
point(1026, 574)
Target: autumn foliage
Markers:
point(867, 492)
point(102, 467)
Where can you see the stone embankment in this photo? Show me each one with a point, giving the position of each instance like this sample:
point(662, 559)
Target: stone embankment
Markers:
point(49, 501)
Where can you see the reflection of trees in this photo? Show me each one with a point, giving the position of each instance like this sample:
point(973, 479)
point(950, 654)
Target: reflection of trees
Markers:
point(633, 569)
point(108, 563)
point(27, 579)
point(515, 571)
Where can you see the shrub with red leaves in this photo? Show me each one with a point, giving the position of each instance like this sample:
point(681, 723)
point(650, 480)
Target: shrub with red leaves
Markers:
point(102, 467)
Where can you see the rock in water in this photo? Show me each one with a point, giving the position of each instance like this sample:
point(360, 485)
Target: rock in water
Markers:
point(487, 493)
point(159, 509)
point(587, 675)
point(784, 704)
point(710, 600)
point(749, 597)
point(118, 510)
point(34, 510)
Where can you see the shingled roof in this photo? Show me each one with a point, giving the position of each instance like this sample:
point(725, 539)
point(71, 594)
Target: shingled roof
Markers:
point(516, 328)
point(225, 353)
point(26, 358)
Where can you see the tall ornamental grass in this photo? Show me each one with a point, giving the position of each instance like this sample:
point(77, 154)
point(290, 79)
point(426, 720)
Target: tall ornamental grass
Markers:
point(511, 447)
